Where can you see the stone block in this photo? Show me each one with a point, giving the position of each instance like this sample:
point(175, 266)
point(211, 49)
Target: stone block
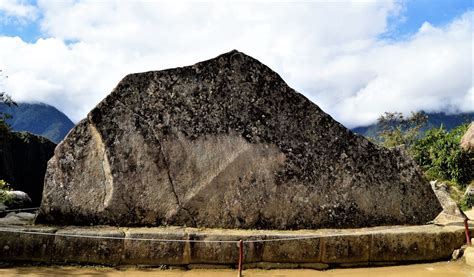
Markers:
point(415, 246)
point(70, 246)
point(225, 252)
point(155, 252)
point(469, 256)
point(295, 251)
point(345, 249)
point(27, 247)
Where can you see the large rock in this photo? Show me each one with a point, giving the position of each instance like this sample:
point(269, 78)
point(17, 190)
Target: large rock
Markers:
point(467, 141)
point(226, 143)
point(23, 160)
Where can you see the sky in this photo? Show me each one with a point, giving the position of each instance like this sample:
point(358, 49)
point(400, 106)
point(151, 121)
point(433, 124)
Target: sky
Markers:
point(355, 59)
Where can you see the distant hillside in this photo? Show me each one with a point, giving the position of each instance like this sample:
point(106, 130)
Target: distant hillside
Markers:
point(39, 119)
point(449, 121)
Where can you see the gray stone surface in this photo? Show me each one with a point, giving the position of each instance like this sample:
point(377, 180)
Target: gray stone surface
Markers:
point(16, 247)
point(15, 218)
point(148, 252)
point(226, 143)
point(222, 253)
point(451, 212)
point(301, 251)
point(346, 249)
point(415, 246)
point(83, 246)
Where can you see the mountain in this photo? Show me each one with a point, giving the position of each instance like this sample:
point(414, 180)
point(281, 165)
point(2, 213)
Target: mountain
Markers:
point(40, 119)
point(435, 120)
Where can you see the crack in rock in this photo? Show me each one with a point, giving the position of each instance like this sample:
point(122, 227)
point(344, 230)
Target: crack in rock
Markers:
point(168, 171)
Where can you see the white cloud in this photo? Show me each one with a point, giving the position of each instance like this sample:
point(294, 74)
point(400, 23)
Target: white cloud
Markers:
point(432, 71)
point(17, 10)
point(328, 51)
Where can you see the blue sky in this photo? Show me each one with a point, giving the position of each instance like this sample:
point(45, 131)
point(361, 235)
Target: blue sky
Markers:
point(414, 13)
point(29, 31)
point(354, 58)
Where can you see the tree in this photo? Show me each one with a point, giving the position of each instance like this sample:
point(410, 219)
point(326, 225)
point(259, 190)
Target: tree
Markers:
point(440, 155)
point(437, 151)
point(396, 129)
point(5, 99)
point(4, 188)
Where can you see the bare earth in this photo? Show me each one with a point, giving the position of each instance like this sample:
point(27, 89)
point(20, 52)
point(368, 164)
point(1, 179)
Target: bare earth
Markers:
point(441, 269)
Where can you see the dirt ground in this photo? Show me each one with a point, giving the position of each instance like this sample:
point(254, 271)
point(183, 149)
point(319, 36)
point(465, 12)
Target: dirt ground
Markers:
point(441, 269)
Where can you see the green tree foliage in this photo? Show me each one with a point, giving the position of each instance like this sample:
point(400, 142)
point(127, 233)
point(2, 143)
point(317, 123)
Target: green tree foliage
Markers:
point(5, 99)
point(4, 187)
point(437, 151)
point(467, 202)
point(441, 157)
point(396, 129)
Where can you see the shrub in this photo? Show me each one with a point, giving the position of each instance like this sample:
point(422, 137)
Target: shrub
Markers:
point(441, 157)
point(4, 187)
point(466, 202)
point(5, 132)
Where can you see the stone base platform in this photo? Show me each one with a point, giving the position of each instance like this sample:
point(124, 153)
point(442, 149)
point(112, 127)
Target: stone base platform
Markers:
point(216, 248)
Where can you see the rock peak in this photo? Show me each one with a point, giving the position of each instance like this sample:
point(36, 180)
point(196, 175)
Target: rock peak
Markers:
point(232, 58)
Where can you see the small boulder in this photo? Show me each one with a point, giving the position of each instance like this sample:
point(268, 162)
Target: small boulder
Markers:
point(451, 212)
point(458, 253)
point(469, 191)
point(17, 199)
point(467, 141)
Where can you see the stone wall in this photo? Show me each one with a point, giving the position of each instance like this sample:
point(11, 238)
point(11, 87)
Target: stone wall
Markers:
point(326, 248)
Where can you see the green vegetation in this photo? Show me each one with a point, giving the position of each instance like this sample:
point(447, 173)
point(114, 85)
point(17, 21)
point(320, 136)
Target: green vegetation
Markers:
point(437, 151)
point(441, 157)
point(4, 187)
point(399, 130)
point(466, 202)
point(4, 126)
point(435, 120)
point(7, 101)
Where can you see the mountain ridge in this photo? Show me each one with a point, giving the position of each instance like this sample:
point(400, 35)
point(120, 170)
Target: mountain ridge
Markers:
point(435, 120)
point(39, 119)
